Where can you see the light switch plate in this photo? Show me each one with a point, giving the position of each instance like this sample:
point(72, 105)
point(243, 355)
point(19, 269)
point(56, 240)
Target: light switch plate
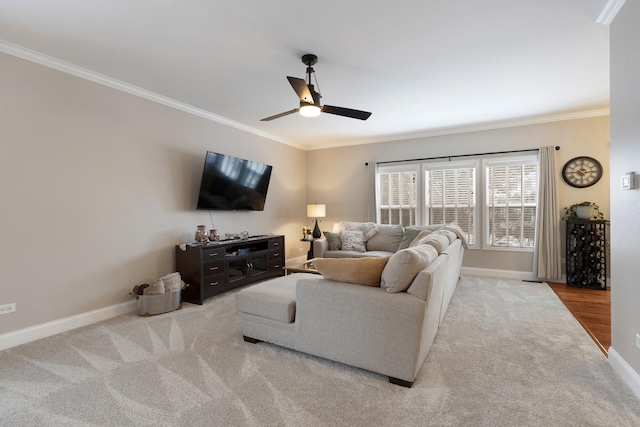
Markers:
point(8, 308)
point(628, 181)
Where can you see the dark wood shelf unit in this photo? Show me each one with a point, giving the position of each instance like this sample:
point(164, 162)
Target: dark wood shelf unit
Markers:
point(210, 269)
point(586, 256)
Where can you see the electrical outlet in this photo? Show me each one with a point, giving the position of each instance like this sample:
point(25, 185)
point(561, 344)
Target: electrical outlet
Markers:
point(8, 308)
point(638, 340)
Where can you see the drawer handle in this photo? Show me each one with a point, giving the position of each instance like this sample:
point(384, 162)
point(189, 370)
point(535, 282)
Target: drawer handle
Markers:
point(276, 243)
point(213, 283)
point(213, 268)
point(276, 266)
point(278, 254)
point(213, 254)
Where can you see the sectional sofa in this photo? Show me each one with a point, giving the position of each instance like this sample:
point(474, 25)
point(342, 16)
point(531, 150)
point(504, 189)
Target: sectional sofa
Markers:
point(386, 328)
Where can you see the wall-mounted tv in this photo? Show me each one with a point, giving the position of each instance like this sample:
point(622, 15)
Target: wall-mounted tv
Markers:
point(231, 184)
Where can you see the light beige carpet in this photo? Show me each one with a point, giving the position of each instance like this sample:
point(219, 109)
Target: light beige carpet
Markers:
point(508, 354)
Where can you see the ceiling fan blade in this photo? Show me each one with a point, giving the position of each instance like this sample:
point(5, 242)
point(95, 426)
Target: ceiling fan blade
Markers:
point(301, 88)
point(277, 116)
point(346, 112)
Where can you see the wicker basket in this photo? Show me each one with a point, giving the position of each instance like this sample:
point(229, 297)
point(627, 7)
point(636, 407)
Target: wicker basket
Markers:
point(149, 305)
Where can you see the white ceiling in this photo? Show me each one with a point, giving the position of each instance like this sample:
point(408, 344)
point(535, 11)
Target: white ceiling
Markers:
point(421, 66)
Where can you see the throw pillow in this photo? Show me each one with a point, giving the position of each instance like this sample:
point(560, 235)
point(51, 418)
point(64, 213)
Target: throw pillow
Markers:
point(335, 244)
point(409, 235)
point(369, 229)
point(352, 241)
point(404, 266)
point(361, 271)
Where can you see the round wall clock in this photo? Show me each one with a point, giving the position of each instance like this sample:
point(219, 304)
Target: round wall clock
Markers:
point(582, 171)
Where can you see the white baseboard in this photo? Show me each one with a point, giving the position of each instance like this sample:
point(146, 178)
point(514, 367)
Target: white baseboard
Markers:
point(23, 336)
point(625, 371)
point(504, 274)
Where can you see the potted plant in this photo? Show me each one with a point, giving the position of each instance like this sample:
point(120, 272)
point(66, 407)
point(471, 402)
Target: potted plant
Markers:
point(583, 210)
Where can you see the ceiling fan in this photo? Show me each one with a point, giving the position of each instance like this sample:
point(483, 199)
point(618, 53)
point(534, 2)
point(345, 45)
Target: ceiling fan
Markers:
point(310, 99)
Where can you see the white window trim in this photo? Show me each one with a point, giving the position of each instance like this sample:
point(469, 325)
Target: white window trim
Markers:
point(502, 161)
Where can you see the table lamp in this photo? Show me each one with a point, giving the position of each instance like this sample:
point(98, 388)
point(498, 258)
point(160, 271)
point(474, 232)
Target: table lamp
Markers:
point(316, 211)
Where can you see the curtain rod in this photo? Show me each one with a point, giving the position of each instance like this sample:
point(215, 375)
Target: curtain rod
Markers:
point(461, 155)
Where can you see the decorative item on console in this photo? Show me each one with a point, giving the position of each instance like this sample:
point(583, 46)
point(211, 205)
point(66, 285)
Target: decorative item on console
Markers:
point(201, 234)
point(213, 235)
point(237, 236)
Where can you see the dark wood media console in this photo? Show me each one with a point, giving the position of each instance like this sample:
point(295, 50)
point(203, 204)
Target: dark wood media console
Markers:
point(212, 268)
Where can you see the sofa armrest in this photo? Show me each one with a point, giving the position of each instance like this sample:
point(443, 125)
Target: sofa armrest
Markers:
point(319, 247)
point(360, 326)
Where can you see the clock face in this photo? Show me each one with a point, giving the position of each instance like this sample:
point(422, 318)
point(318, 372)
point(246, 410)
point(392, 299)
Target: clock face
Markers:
point(582, 172)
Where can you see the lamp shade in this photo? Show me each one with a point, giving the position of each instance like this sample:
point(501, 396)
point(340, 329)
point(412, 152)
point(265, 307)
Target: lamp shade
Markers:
point(316, 211)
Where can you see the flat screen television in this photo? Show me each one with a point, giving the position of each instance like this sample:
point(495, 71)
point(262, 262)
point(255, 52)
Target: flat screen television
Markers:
point(233, 184)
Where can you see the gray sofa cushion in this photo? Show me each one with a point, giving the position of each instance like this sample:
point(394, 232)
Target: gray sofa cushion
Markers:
point(404, 265)
point(387, 238)
point(435, 239)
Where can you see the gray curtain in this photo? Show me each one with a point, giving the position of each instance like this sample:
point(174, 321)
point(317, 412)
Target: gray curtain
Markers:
point(547, 262)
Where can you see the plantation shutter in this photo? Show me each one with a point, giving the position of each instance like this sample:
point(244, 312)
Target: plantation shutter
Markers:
point(512, 188)
point(396, 195)
point(450, 195)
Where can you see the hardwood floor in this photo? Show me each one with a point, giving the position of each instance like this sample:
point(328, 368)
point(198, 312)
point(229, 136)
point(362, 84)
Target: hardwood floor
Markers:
point(592, 308)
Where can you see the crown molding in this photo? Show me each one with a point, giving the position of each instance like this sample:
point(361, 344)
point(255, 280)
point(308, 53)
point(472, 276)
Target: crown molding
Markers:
point(65, 67)
point(610, 12)
point(83, 73)
point(474, 128)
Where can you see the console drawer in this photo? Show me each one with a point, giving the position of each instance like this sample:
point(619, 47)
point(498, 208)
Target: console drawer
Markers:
point(212, 267)
point(276, 265)
point(276, 243)
point(212, 253)
point(212, 285)
point(276, 255)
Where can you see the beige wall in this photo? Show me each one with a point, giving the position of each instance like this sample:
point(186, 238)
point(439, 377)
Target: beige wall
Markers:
point(98, 186)
point(625, 157)
point(339, 178)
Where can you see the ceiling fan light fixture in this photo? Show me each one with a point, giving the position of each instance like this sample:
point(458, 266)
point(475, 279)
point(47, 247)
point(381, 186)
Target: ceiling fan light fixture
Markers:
point(310, 98)
point(309, 110)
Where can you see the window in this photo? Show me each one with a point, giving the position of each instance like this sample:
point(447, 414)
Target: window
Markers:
point(500, 195)
point(451, 195)
point(396, 195)
point(511, 202)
